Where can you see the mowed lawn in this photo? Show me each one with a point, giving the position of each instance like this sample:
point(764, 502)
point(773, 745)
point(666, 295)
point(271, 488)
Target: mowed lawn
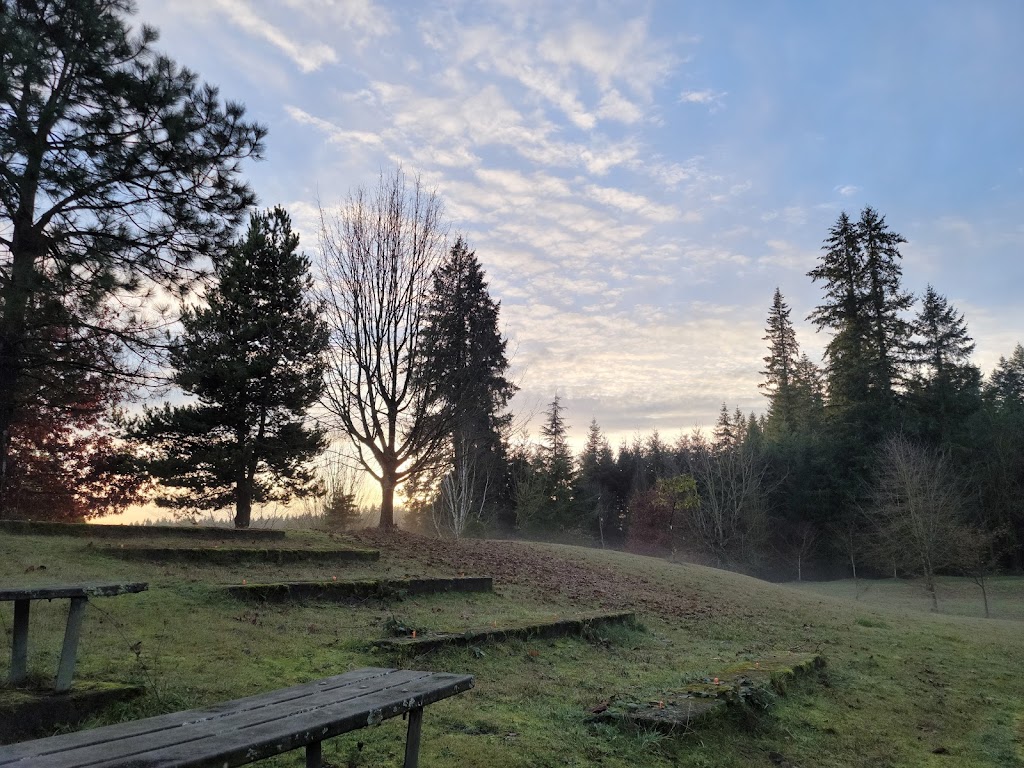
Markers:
point(903, 686)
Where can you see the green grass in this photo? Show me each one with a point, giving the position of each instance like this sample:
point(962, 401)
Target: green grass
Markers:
point(957, 596)
point(901, 681)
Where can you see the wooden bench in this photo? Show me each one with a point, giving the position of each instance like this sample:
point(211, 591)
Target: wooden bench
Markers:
point(243, 731)
point(79, 595)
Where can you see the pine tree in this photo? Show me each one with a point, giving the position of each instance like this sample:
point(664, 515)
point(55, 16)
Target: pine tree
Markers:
point(464, 352)
point(119, 169)
point(945, 388)
point(254, 359)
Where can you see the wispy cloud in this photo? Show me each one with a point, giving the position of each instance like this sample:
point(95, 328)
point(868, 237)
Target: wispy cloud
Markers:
point(308, 56)
point(707, 97)
point(847, 190)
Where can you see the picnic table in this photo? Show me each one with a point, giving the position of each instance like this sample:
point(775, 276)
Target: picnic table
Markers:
point(239, 732)
point(79, 595)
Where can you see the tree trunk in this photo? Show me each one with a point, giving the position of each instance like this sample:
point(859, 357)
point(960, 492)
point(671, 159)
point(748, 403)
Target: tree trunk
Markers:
point(984, 595)
point(243, 501)
point(387, 499)
point(27, 246)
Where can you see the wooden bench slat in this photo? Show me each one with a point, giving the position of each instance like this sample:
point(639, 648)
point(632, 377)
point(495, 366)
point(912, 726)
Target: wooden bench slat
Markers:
point(136, 728)
point(55, 592)
point(246, 730)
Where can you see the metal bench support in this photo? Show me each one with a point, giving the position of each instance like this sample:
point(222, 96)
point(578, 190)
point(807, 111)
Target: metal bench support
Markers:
point(69, 652)
point(412, 738)
point(19, 643)
point(314, 755)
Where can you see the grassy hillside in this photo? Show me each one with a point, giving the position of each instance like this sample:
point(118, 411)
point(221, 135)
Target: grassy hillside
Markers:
point(902, 687)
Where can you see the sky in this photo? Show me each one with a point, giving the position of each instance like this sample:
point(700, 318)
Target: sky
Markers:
point(637, 178)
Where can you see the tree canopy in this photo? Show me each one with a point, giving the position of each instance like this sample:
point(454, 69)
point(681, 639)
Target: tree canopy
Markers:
point(118, 170)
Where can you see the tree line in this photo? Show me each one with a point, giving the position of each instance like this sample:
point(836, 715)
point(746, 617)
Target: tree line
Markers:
point(122, 201)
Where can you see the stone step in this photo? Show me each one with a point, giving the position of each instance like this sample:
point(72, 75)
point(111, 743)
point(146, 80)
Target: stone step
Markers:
point(232, 555)
point(676, 711)
point(359, 588)
point(94, 530)
point(579, 624)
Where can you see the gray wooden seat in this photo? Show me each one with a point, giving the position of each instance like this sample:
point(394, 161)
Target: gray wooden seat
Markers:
point(79, 595)
point(243, 731)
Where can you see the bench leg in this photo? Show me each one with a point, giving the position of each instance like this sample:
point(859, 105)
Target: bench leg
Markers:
point(19, 643)
point(69, 652)
point(314, 758)
point(412, 739)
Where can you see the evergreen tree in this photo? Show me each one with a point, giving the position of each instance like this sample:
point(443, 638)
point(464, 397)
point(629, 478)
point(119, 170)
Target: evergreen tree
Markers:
point(254, 359)
point(946, 387)
point(464, 352)
point(1005, 387)
point(780, 384)
point(596, 480)
point(863, 307)
point(119, 169)
point(556, 468)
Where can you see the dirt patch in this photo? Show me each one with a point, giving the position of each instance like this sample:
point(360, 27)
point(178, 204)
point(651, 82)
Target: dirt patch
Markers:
point(546, 575)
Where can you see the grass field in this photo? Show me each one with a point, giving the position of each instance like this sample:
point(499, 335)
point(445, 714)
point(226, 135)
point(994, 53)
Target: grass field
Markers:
point(903, 686)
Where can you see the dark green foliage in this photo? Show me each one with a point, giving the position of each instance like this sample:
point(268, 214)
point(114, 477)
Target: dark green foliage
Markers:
point(596, 481)
point(254, 359)
point(557, 467)
point(119, 169)
point(464, 352)
point(945, 389)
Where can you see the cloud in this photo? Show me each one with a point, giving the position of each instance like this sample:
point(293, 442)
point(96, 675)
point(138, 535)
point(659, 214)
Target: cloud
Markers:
point(308, 56)
point(847, 190)
point(334, 134)
point(709, 98)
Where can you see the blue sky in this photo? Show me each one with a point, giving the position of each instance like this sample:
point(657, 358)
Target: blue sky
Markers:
point(637, 178)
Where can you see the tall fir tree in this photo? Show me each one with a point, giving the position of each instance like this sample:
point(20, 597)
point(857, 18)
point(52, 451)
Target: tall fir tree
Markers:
point(557, 468)
point(464, 351)
point(596, 481)
point(945, 388)
point(780, 374)
point(254, 359)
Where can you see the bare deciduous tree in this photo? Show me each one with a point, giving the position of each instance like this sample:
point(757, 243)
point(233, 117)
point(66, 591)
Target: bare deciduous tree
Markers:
point(729, 522)
point(917, 511)
point(378, 254)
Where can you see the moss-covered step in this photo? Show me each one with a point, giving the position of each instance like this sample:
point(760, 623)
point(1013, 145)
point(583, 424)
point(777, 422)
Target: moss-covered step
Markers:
point(88, 530)
point(750, 683)
point(580, 624)
point(232, 555)
point(30, 712)
point(357, 589)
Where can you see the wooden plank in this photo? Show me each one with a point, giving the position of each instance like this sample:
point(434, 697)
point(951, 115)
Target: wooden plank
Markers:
point(55, 592)
point(235, 733)
point(177, 719)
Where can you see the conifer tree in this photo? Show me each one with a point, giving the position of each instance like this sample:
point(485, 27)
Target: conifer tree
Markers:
point(119, 169)
point(945, 388)
point(556, 467)
point(253, 357)
point(596, 479)
point(1005, 387)
point(780, 384)
point(463, 350)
